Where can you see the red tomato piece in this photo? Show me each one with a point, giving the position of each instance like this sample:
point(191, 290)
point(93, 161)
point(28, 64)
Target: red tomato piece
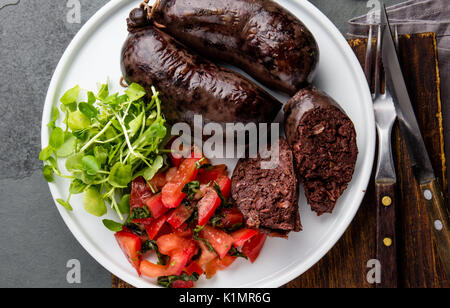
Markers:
point(172, 194)
point(156, 206)
point(231, 217)
point(218, 265)
point(170, 242)
point(206, 256)
point(253, 247)
point(158, 181)
point(144, 221)
point(156, 226)
point(181, 284)
point(242, 236)
point(179, 216)
point(208, 205)
point(183, 231)
point(140, 192)
point(219, 240)
point(151, 270)
point(206, 176)
point(194, 267)
point(131, 246)
point(179, 258)
point(175, 157)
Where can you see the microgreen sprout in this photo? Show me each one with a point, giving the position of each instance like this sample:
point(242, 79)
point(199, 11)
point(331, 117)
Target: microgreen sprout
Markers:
point(108, 140)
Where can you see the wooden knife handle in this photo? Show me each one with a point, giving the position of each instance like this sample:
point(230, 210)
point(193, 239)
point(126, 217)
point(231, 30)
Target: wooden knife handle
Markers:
point(439, 220)
point(386, 234)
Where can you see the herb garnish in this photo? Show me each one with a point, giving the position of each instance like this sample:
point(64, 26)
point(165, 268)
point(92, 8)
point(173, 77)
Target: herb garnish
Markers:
point(140, 213)
point(191, 189)
point(167, 281)
point(108, 140)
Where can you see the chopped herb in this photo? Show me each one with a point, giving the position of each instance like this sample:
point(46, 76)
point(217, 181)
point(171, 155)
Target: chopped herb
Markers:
point(167, 281)
point(140, 213)
point(225, 203)
point(236, 253)
point(198, 164)
point(191, 189)
point(151, 246)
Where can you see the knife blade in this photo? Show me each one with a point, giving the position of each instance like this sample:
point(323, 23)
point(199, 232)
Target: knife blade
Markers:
point(421, 164)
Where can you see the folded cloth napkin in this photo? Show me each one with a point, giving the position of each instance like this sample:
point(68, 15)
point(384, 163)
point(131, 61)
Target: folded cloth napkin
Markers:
point(417, 16)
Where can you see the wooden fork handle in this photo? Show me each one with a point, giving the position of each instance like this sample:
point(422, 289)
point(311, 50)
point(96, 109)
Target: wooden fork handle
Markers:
point(386, 234)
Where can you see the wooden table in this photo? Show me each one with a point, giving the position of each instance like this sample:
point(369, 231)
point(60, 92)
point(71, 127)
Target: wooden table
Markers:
point(419, 266)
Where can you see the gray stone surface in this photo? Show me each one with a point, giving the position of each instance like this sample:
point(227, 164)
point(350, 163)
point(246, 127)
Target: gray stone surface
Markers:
point(35, 243)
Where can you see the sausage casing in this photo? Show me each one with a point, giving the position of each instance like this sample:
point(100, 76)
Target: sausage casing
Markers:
point(191, 85)
point(258, 36)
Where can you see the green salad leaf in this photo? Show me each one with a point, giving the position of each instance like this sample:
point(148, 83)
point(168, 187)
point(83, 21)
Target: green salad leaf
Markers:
point(108, 140)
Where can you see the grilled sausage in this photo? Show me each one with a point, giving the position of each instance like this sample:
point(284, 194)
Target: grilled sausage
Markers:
point(259, 36)
point(323, 139)
point(189, 84)
point(268, 198)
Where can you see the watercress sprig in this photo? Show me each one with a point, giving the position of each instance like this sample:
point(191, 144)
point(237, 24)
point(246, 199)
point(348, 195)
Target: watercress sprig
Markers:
point(108, 140)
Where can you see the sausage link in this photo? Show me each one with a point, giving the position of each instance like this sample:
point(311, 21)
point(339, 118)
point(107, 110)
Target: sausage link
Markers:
point(259, 36)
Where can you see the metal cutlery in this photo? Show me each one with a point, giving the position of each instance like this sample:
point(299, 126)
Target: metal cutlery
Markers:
point(385, 177)
point(422, 168)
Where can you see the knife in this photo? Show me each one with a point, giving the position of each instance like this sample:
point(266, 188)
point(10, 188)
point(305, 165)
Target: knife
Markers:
point(421, 164)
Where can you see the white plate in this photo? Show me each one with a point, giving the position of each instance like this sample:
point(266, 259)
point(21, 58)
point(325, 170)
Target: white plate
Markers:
point(94, 55)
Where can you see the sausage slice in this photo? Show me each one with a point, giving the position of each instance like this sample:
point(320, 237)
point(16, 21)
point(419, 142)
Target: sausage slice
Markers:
point(268, 199)
point(323, 139)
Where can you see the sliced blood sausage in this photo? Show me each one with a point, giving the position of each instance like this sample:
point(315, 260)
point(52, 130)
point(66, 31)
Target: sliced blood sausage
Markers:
point(323, 139)
point(268, 198)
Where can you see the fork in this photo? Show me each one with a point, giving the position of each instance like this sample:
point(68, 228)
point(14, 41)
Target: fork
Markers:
point(385, 177)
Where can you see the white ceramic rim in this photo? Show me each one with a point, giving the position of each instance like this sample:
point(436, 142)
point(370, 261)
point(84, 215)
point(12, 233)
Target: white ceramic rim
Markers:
point(278, 279)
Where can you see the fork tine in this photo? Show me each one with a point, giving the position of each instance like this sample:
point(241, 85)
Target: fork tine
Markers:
point(369, 57)
point(377, 87)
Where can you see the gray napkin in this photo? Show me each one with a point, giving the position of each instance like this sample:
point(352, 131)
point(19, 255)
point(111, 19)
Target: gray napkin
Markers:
point(418, 16)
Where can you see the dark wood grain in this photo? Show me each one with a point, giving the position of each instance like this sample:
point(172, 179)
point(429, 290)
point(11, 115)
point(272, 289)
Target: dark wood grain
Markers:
point(439, 220)
point(418, 264)
point(386, 234)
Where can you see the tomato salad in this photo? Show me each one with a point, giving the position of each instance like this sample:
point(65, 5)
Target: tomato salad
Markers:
point(184, 215)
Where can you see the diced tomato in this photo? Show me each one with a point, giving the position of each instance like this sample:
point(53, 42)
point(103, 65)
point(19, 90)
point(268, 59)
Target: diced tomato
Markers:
point(219, 240)
point(242, 236)
point(181, 284)
point(211, 201)
point(180, 215)
point(218, 265)
point(206, 176)
point(156, 226)
point(206, 256)
point(144, 221)
point(194, 267)
point(171, 173)
point(179, 258)
point(231, 217)
point(170, 242)
point(175, 157)
point(156, 206)
point(253, 247)
point(183, 231)
point(172, 194)
point(151, 270)
point(180, 251)
point(158, 181)
point(131, 246)
point(140, 192)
